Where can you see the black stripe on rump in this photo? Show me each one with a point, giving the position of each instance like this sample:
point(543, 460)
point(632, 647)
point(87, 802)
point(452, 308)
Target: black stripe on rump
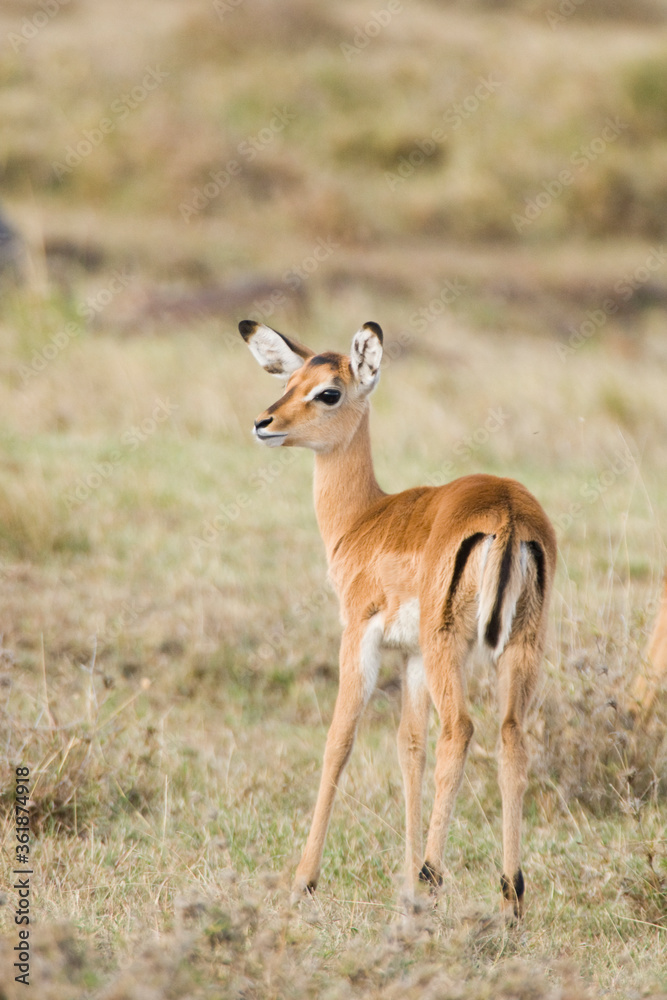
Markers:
point(537, 553)
point(462, 556)
point(492, 633)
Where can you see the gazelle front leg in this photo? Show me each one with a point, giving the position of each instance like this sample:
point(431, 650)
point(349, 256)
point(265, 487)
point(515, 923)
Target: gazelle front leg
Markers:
point(359, 666)
point(412, 732)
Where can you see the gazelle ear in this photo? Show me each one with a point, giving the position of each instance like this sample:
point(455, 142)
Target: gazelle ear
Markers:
point(277, 354)
point(366, 355)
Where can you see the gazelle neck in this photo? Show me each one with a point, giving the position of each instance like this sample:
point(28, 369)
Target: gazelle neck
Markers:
point(345, 485)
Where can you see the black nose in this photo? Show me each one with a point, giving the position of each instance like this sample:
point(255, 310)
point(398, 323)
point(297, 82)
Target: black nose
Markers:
point(261, 424)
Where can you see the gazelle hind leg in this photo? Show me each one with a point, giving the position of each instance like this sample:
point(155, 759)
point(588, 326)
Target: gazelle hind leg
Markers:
point(517, 675)
point(412, 732)
point(445, 658)
point(359, 665)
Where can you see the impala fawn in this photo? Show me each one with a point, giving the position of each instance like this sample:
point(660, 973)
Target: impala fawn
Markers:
point(433, 571)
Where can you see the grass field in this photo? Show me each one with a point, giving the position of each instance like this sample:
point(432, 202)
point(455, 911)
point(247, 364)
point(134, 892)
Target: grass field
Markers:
point(168, 662)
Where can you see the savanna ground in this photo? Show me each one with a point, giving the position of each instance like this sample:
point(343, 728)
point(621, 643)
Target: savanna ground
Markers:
point(168, 638)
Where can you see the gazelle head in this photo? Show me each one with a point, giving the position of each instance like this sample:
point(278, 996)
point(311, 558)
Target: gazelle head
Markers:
point(325, 395)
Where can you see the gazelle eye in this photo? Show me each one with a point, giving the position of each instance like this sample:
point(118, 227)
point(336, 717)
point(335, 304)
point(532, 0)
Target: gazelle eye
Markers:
point(329, 396)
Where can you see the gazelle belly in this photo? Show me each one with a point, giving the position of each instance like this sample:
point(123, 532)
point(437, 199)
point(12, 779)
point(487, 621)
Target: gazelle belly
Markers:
point(402, 630)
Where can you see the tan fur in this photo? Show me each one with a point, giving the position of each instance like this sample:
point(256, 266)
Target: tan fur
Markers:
point(385, 554)
point(648, 684)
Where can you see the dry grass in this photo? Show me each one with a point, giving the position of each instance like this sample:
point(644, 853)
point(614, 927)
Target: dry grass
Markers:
point(168, 656)
point(172, 701)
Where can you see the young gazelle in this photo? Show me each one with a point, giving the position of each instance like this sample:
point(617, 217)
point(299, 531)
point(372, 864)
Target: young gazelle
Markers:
point(433, 571)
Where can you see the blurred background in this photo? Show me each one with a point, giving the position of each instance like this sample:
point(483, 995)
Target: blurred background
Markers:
point(486, 180)
point(205, 147)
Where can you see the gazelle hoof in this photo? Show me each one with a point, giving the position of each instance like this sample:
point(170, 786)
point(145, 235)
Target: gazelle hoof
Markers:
point(513, 895)
point(302, 888)
point(431, 876)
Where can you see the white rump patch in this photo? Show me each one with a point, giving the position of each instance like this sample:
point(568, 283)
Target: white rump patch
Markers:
point(513, 590)
point(486, 548)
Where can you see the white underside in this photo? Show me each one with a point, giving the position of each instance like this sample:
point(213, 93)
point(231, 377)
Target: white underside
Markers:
point(402, 632)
